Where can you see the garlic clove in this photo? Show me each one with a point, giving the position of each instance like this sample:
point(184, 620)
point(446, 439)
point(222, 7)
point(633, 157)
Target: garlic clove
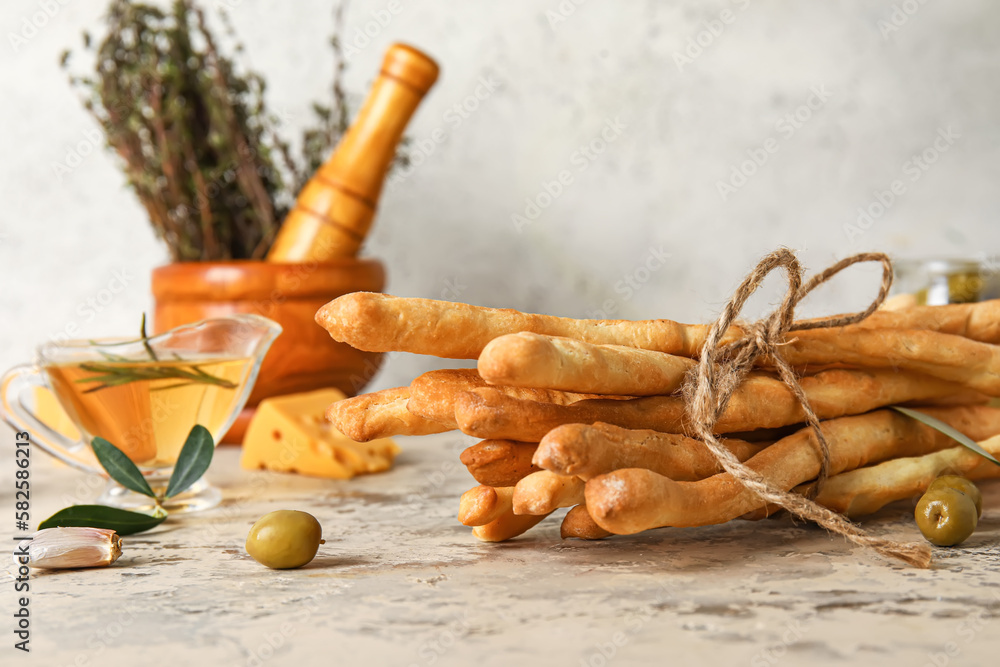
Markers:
point(73, 547)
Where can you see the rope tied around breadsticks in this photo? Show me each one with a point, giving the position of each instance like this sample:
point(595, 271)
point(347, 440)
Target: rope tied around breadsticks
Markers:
point(722, 368)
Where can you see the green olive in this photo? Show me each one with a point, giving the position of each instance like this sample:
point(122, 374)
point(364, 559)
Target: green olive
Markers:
point(946, 517)
point(284, 539)
point(962, 485)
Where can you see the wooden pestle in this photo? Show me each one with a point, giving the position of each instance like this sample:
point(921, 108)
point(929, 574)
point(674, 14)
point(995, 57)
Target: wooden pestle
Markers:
point(333, 212)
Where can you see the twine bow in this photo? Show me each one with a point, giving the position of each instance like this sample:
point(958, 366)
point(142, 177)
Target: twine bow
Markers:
point(722, 368)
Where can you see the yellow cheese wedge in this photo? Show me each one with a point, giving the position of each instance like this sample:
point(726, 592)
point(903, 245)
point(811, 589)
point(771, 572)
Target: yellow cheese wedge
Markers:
point(291, 434)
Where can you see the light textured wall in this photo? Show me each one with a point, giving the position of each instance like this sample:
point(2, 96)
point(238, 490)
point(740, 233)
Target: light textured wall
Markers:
point(563, 73)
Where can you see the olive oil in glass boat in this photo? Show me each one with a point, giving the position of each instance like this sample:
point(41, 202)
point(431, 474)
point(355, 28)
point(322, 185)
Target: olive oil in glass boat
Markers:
point(143, 396)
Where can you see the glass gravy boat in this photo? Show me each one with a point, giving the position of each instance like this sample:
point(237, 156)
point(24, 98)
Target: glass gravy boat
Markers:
point(143, 396)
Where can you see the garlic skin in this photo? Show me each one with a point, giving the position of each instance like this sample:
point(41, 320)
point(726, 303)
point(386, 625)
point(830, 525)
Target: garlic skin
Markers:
point(73, 547)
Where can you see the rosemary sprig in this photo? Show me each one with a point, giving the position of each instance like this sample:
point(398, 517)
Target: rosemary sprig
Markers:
point(121, 370)
point(113, 375)
point(145, 339)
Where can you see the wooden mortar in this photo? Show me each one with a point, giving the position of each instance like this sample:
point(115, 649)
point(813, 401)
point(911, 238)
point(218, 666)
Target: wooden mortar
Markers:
point(304, 357)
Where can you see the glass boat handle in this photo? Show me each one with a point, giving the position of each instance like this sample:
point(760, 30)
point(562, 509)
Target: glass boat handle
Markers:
point(20, 417)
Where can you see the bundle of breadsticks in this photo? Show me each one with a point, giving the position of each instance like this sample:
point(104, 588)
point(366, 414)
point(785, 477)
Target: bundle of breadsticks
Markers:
point(596, 415)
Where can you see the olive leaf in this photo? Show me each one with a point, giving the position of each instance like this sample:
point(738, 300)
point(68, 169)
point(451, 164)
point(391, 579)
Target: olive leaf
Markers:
point(120, 467)
point(121, 521)
point(194, 459)
point(955, 435)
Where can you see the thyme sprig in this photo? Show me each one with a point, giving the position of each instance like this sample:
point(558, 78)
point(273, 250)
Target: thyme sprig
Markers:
point(207, 158)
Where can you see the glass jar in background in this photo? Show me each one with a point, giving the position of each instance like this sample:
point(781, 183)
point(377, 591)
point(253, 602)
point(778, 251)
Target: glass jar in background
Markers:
point(935, 282)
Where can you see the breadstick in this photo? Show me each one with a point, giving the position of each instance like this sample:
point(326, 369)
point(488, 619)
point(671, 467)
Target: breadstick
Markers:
point(379, 415)
point(432, 395)
point(499, 462)
point(960, 397)
point(588, 451)
point(383, 323)
point(508, 525)
point(899, 302)
point(762, 401)
point(948, 357)
point(483, 504)
point(533, 360)
point(551, 362)
point(976, 321)
point(632, 500)
point(867, 490)
point(578, 523)
point(544, 492)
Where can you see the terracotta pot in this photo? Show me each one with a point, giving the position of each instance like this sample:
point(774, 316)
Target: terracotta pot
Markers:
point(304, 357)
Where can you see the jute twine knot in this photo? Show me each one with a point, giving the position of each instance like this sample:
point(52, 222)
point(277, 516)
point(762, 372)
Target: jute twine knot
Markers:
point(722, 368)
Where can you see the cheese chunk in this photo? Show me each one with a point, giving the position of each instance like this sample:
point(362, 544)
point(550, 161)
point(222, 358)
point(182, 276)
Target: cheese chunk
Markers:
point(291, 434)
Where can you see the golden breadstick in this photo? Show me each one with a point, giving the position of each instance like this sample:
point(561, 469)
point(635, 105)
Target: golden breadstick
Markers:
point(632, 500)
point(533, 360)
point(899, 302)
point(579, 524)
point(551, 362)
point(949, 357)
point(764, 436)
point(379, 415)
point(588, 451)
point(483, 504)
point(379, 322)
point(960, 397)
point(977, 321)
point(762, 401)
point(383, 323)
point(432, 395)
point(508, 525)
point(544, 492)
point(499, 462)
point(867, 490)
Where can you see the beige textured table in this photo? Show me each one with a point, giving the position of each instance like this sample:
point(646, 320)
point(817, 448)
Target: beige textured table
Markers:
point(400, 582)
